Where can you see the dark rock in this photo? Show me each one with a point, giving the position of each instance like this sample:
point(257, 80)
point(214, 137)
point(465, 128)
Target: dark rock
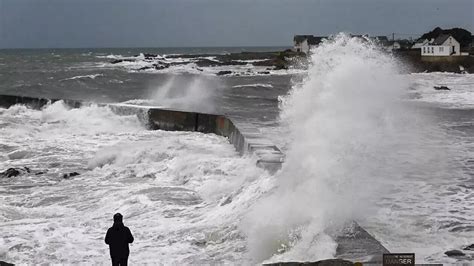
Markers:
point(149, 176)
point(160, 66)
point(3, 263)
point(454, 253)
point(155, 66)
point(116, 61)
point(441, 88)
point(69, 175)
point(329, 262)
point(150, 55)
point(264, 72)
point(470, 247)
point(224, 72)
point(200, 242)
point(280, 66)
point(11, 172)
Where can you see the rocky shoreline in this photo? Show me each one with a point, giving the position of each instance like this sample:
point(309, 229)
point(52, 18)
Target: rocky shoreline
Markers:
point(283, 60)
point(277, 60)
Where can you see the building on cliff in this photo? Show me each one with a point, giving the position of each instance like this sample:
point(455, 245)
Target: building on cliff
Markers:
point(443, 45)
point(304, 43)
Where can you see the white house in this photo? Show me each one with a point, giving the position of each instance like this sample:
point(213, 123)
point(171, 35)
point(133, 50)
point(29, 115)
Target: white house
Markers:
point(304, 43)
point(443, 45)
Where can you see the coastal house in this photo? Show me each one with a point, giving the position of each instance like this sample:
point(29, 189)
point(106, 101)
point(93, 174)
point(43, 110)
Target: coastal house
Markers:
point(399, 45)
point(443, 45)
point(381, 40)
point(304, 43)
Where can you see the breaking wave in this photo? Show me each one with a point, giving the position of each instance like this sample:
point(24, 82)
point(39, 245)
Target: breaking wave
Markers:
point(262, 85)
point(350, 132)
point(92, 76)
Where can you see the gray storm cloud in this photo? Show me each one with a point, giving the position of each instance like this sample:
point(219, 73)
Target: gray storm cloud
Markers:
point(124, 23)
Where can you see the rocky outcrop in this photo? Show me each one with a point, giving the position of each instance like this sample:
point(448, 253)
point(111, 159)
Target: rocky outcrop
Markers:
point(223, 73)
point(155, 66)
point(441, 88)
point(150, 56)
point(3, 263)
point(116, 61)
point(454, 253)
point(273, 60)
point(19, 171)
point(69, 175)
point(470, 247)
point(13, 172)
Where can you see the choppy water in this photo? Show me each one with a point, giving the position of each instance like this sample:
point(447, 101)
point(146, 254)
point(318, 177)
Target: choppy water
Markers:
point(168, 185)
point(363, 142)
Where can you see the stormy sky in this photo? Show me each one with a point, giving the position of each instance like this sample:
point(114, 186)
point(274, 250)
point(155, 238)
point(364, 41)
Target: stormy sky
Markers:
point(186, 23)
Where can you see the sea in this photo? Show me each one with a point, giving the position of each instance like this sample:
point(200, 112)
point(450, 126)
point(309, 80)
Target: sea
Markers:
point(364, 139)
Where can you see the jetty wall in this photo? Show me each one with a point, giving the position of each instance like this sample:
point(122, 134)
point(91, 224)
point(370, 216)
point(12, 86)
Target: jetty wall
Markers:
point(245, 138)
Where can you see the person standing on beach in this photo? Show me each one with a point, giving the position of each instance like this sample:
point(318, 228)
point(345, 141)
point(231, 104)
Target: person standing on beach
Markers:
point(118, 237)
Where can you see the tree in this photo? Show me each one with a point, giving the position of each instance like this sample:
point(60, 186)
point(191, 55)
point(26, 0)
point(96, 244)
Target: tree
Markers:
point(463, 36)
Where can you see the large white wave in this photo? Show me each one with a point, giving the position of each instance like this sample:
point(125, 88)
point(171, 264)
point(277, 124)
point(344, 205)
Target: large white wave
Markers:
point(349, 133)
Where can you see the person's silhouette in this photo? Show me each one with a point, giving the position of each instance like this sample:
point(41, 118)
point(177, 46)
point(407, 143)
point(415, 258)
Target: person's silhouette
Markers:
point(118, 237)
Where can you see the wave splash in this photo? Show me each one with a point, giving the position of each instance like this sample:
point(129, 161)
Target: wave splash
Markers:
point(187, 93)
point(346, 121)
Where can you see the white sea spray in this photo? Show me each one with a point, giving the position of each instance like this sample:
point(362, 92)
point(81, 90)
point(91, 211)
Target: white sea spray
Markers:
point(350, 133)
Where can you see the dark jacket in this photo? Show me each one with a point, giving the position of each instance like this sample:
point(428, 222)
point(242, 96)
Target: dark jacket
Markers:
point(118, 236)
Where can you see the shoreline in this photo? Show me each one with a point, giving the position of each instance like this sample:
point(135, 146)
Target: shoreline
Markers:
point(283, 60)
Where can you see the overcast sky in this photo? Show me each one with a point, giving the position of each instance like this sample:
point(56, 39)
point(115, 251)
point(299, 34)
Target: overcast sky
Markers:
point(185, 23)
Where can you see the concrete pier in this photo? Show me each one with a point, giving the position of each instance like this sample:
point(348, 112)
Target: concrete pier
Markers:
point(358, 245)
point(246, 139)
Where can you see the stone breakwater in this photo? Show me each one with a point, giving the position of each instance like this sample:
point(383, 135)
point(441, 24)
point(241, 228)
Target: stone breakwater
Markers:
point(245, 138)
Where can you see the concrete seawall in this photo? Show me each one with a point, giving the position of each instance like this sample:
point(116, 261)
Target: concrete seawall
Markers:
point(358, 245)
point(246, 139)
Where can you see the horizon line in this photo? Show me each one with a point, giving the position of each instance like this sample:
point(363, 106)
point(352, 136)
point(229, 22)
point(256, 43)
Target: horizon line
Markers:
point(143, 47)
